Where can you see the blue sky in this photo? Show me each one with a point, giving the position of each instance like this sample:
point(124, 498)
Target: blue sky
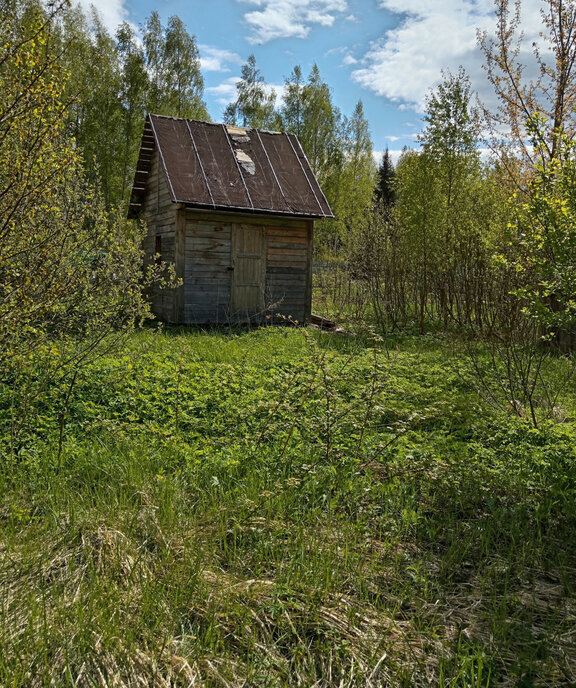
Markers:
point(387, 53)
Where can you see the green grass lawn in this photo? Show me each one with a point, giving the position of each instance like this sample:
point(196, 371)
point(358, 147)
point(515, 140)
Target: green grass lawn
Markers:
point(283, 507)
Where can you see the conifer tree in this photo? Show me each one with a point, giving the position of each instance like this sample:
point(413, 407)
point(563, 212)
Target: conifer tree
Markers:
point(385, 190)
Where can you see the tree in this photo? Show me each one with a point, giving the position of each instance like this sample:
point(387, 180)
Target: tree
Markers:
point(133, 96)
point(451, 131)
point(443, 210)
point(533, 131)
point(321, 135)
point(355, 178)
point(94, 85)
point(69, 276)
point(153, 39)
point(418, 215)
point(544, 240)
point(385, 190)
point(292, 113)
point(550, 94)
point(254, 106)
point(173, 64)
point(184, 85)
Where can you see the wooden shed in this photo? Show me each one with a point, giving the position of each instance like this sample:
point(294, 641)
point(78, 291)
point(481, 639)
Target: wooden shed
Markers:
point(233, 209)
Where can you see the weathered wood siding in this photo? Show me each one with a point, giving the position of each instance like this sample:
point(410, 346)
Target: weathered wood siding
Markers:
point(160, 217)
point(207, 269)
point(288, 269)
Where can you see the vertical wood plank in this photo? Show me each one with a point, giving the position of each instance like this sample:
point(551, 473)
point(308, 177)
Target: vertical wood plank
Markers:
point(309, 257)
point(179, 265)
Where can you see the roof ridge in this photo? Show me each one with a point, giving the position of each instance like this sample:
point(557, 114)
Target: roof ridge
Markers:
point(217, 124)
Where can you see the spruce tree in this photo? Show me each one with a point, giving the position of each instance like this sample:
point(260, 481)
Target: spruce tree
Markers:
point(385, 190)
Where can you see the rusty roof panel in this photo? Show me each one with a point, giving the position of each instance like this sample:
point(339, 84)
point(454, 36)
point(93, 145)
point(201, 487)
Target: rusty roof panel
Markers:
point(313, 183)
point(291, 175)
point(224, 177)
point(180, 160)
point(265, 190)
point(231, 168)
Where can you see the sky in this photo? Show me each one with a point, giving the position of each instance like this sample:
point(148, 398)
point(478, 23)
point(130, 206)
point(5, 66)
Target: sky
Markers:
point(387, 53)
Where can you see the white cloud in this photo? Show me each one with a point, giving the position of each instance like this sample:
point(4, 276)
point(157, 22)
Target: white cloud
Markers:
point(112, 12)
point(394, 155)
point(225, 91)
point(215, 60)
point(349, 60)
point(433, 35)
point(353, 18)
point(289, 18)
point(340, 50)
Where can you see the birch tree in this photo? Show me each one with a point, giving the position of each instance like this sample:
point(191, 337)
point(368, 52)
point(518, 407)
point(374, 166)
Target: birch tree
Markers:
point(547, 101)
point(254, 106)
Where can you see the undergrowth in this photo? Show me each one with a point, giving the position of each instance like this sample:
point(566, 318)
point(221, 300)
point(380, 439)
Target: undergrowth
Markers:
point(283, 508)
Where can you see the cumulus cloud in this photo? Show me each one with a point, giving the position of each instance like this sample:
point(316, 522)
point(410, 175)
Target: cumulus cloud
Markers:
point(225, 91)
point(349, 60)
point(216, 60)
point(112, 12)
point(289, 18)
point(394, 155)
point(431, 36)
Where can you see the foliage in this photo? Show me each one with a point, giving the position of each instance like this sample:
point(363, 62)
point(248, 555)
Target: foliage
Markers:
point(446, 216)
point(254, 104)
point(113, 81)
point(293, 111)
point(133, 97)
point(69, 274)
point(544, 236)
point(451, 131)
point(95, 117)
point(551, 94)
point(385, 190)
point(353, 183)
point(173, 65)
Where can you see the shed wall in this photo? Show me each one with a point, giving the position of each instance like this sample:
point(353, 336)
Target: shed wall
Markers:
point(208, 267)
point(160, 217)
point(207, 270)
point(288, 269)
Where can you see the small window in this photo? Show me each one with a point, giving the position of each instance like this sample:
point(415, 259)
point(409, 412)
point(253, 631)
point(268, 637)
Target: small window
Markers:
point(158, 249)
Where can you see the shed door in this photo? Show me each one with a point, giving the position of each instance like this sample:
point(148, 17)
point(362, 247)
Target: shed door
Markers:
point(248, 269)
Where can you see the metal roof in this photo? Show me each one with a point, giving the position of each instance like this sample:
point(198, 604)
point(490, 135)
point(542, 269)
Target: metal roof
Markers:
point(229, 168)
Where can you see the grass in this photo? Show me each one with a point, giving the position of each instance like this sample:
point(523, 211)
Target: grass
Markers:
point(285, 508)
